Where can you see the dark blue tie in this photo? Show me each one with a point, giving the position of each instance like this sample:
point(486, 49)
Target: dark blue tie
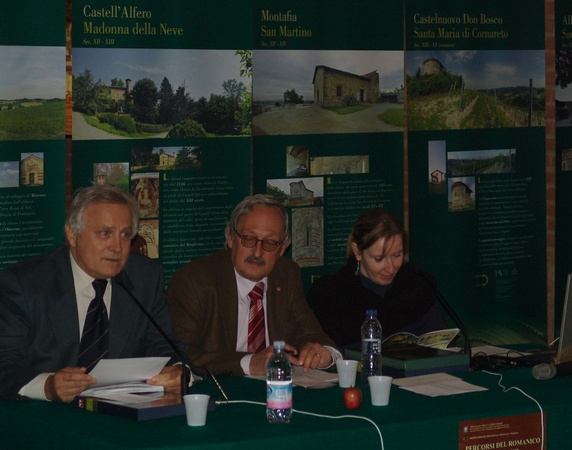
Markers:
point(94, 343)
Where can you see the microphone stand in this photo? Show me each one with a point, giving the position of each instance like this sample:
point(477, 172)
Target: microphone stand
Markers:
point(185, 376)
point(447, 307)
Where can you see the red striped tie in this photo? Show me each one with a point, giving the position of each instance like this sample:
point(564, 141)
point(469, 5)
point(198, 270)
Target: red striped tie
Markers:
point(256, 338)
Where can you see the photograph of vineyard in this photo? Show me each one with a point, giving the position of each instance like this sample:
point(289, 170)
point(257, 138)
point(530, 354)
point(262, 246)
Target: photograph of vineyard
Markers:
point(32, 93)
point(470, 89)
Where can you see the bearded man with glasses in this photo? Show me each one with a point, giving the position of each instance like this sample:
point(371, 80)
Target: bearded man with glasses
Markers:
point(230, 306)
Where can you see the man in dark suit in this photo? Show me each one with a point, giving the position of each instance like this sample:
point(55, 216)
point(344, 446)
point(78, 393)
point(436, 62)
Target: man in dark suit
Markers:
point(209, 304)
point(44, 303)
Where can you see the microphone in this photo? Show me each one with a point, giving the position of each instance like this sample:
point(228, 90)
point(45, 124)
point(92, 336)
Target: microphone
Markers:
point(545, 371)
point(447, 307)
point(186, 375)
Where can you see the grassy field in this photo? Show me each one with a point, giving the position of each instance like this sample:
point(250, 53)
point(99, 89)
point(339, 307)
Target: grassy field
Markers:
point(33, 121)
point(392, 117)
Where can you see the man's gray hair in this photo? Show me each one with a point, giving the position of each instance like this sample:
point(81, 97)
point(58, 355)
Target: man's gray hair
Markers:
point(246, 205)
point(101, 193)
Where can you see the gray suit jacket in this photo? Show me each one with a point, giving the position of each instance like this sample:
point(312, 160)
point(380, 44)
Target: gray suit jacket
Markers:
point(39, 329)
point(203, 300)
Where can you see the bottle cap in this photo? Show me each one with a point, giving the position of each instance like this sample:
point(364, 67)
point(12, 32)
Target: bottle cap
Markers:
point(279, 344)
point(371, 313)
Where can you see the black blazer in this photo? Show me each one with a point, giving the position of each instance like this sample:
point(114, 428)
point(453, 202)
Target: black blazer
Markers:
point(39, 330)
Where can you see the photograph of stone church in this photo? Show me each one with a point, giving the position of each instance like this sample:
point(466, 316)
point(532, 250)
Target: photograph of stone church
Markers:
point(333, 87)
point(326, 92)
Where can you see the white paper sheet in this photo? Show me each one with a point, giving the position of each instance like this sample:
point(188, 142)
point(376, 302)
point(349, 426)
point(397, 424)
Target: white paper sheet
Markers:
point(313, 379)
point(437, 384)
point(115, 371)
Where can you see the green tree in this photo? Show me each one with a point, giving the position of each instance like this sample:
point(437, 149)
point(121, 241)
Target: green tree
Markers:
point(182, 102)
point(200, 108)
point(86, 92)
point(276, 192)
point(245, 62)
point(166, 98)
point(240, 105)
point(144, 96)
point(233, 90)
point(220, 116)
point(117, 174)
point(293, 97)
point(227, 114)
point(142, 156)
point(188, 158)
point(243, 116)
point(563, 61)
point(187, 128)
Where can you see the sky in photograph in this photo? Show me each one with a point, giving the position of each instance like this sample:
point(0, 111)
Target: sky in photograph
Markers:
point(480, 154)
point(316, 184)
point(32, 72)
point(277, 71)
point(201, 71)
point(486, 69)
point(9, 174)
point(437, 151)
point(564, 95)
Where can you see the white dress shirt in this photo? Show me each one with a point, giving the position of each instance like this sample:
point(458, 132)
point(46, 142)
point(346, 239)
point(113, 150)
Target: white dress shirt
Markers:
point(244, 287)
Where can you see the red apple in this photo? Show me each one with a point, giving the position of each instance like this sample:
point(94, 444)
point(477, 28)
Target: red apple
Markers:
point(352, 397)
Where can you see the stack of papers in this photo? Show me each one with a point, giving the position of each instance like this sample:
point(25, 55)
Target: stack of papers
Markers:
point(135, 387)
point(312, 379)
point(437, 384)
point(117, 378)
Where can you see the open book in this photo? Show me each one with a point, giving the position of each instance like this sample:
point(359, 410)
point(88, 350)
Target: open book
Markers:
point(435, 339)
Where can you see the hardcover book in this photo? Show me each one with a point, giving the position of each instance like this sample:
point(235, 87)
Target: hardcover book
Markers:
point(153, 406)
point(408, 358)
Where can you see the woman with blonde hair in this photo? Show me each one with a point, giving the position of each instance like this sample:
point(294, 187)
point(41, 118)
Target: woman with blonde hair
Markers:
point(375, 276)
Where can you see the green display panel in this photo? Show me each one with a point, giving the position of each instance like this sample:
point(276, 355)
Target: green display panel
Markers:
point(476, 117)
point(162, 100)
point(32, 129)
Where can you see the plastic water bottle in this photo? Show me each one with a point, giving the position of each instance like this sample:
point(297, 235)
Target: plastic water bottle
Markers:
point(279, 386)
point(370, 346)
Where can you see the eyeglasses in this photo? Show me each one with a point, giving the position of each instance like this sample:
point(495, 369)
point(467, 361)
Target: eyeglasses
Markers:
point(249, 241)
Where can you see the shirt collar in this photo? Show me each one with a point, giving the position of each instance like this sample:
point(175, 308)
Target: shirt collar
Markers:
point(244, 286)
point(80, 278)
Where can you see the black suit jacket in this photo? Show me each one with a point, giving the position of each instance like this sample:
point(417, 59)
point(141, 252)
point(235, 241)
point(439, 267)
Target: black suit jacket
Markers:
point(39, 330)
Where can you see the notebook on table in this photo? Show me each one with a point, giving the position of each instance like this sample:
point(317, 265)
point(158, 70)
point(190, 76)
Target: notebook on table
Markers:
point(551, 355)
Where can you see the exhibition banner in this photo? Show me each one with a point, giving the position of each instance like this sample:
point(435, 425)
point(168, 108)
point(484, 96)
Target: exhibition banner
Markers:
point(563, 117)
point(162, 98)
point(327, 120)
point(32, 129)
point(477, 185)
